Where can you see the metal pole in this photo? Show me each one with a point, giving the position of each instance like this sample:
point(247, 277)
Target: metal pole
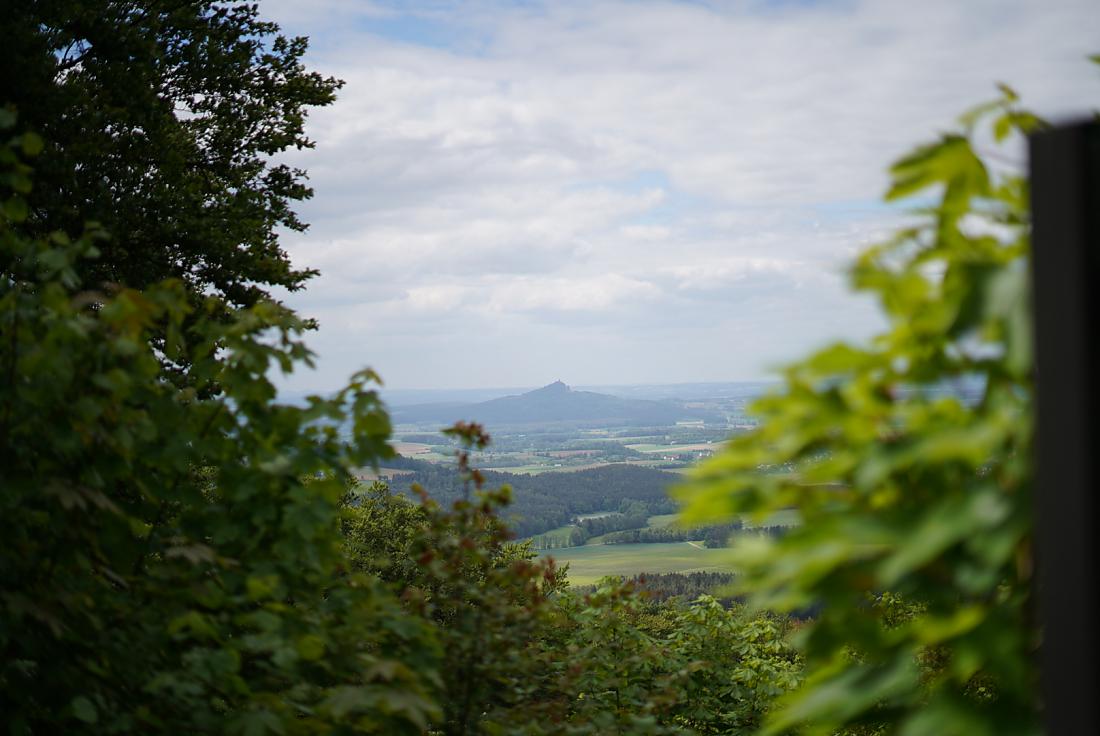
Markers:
point(1065, 204)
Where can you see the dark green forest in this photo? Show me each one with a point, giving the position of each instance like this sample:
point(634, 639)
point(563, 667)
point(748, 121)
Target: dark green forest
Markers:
point(548, 500)
point(716, 535)
point(185, 554)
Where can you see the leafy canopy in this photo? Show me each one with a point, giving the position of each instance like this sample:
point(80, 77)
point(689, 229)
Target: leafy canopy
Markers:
point(172, 560)
point(162, 121)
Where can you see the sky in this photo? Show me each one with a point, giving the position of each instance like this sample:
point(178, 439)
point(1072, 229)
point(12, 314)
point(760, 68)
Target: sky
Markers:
point(510, 193)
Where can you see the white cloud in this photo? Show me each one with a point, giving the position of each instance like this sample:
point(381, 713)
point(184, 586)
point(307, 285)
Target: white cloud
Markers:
point(598, 182)
point(590, 293)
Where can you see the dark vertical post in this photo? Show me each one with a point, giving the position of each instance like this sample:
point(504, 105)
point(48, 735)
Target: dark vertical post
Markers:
point(1065, 204)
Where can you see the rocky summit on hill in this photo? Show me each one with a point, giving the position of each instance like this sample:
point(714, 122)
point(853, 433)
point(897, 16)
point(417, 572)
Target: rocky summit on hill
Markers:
point(556, 402)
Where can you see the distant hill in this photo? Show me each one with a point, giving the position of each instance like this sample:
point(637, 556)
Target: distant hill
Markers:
point(556, 403)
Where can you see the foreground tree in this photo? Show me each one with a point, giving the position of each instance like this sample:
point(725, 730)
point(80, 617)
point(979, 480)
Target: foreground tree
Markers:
point(161, 120)
point(909, 460)
point(171, 561)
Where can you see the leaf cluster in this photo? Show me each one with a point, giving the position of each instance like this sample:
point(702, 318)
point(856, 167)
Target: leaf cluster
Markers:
point(162, 121)
point(172, 559)
point(908, 460)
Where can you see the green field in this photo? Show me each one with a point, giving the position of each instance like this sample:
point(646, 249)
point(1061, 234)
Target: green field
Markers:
point(783, 517)
point(561, 534)
point(590, 563)
point(661, 520)
point(524, 469)
point(647, 447)
point(596, 515)
point(537, 468)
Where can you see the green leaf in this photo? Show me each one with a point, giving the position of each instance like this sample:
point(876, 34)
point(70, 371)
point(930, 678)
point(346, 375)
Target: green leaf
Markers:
point(261, 587)
point(257, 723)
point(32, 144)
point(947, 524)
point(310, 647)
point(1009, 93)
point(84, 710)
point(15, 209)
point(348, 699)
point(951, 162)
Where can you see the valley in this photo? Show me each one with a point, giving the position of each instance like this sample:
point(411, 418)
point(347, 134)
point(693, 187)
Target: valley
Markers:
point(558, 429)
point(589, 471)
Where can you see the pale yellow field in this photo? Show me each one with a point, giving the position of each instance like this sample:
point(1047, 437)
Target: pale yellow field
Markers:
point(410, 448)
point(673, 449)
point(590, 563)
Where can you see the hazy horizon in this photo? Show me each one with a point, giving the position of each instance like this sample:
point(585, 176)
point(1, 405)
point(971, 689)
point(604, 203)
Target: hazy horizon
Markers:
point(653, 391)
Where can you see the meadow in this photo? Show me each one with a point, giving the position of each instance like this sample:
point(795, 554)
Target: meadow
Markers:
point(556, 539)
point(660, 520)
point(782, 517)
point(536, 468)
point(589, 563)
point(559, 535)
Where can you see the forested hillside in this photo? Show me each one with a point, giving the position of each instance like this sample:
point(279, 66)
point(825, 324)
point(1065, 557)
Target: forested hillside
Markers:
point(548, 500)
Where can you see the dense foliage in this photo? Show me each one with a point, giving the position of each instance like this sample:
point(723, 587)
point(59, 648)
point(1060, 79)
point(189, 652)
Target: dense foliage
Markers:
point(622, 665)
point(174, 109)
point(169, 560)
point(524, 655)
point(904, 486)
